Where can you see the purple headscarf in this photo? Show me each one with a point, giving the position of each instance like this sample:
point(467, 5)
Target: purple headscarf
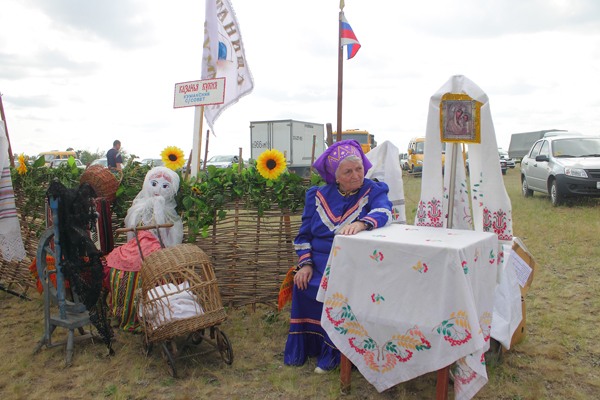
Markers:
point(328, 163)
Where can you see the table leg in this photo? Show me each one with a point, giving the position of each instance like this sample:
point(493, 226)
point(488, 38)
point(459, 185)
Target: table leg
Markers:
point(443, 379)
point(345, 374)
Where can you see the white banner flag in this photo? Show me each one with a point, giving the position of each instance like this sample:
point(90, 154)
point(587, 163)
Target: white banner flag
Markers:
point(224, 57)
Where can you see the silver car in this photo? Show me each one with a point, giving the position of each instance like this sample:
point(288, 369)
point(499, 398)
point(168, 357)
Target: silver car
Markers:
point(562, 166)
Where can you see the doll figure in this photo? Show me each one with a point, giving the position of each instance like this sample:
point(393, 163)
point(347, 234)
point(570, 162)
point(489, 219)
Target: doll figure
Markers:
point(155, 204)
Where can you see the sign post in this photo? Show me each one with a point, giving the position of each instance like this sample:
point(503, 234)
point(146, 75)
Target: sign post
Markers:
point(199, 94)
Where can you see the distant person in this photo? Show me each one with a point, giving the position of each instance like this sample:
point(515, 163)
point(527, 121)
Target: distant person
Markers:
point(113, 157)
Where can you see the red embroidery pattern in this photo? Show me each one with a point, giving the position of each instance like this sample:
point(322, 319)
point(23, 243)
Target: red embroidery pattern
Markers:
point(432, 214)
point(455, 329)
point(463, 375)
point(496, 222)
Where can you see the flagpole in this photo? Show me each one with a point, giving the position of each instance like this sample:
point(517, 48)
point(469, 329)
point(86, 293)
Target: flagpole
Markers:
point(340, 76)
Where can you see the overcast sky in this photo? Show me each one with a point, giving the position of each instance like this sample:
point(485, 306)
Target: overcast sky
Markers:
point(83, 73)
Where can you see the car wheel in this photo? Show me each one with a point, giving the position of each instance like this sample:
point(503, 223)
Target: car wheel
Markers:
point(555, 195)
point(526, 191)
point(411, 169)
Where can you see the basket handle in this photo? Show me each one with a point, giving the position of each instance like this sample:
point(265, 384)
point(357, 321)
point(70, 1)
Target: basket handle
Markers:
point(143, 228)
point(111, 169)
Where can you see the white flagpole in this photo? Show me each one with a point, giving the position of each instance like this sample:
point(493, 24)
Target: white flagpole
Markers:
point(197, 144)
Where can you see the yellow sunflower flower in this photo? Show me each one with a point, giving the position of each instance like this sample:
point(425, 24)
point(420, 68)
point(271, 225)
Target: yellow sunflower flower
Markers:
point(271, 164)
point(172, 157)
point(22, 168)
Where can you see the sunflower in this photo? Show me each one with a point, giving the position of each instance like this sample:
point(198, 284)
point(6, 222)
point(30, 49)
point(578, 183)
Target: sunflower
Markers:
point(270, 164)
point(172, 157)
point(22, 168)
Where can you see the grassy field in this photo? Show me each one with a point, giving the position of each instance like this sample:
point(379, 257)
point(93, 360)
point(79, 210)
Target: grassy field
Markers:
point(560, 359)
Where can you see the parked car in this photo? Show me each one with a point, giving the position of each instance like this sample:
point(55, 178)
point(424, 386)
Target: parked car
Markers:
point(510, 162)
point(55, 155)
point(222, 161)
point(503, 166)
point(562, 166)
point(154, 162)
point(58, 162)
point(100, 161)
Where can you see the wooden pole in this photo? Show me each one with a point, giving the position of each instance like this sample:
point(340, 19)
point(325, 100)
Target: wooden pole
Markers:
point(10, 153)
point(340, 79)
point(240, 161)
point(443, 378)
point(452, 185)
point(205, 152)
point(345, 375)
point(329, 134)
point(312, 157)
point(199, 141)
point(187, 169)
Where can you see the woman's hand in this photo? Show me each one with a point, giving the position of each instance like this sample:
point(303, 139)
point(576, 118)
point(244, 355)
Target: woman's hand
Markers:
point(303, 276)
point(353, 228)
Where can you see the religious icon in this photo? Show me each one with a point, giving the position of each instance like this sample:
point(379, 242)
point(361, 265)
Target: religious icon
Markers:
point(459, 119)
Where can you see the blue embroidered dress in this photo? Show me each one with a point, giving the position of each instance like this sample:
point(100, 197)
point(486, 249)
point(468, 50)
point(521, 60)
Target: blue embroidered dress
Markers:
point(326, 212)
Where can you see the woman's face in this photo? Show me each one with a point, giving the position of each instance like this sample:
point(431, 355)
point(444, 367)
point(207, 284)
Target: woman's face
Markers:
point(350, 175)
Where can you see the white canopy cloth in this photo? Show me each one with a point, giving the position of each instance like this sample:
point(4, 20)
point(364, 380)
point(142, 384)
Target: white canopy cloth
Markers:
point(492, 210)
point(402, 301)
point(386, 168)
point(11, 242)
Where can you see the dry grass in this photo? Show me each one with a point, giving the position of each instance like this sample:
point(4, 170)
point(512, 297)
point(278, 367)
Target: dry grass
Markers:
point(560, 359)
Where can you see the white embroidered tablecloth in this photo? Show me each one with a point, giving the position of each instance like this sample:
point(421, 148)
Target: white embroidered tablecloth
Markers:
point(402, 301)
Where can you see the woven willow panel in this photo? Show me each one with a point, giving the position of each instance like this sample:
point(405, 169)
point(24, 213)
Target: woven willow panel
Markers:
point(251, 255)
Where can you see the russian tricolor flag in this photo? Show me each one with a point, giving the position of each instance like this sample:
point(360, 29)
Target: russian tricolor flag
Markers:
point(349, 38)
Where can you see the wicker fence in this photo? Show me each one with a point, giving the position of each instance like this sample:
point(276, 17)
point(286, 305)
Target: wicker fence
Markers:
point(250, 255)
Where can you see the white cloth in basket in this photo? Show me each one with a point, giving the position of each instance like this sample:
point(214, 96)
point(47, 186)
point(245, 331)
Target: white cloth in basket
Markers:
point(172, 302)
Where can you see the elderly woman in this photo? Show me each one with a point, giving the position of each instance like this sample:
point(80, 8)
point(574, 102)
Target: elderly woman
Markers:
point(347, 205)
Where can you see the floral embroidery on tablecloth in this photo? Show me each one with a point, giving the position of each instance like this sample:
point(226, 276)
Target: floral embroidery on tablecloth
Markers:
point(377, 298)
point(421, 267)
point(325, 278)
point(377, 256)
point(465, 268)
point(500, 257)
point(456, 329)
point(485, 325)
point(433, 240)
point(400, 348)
point(476, 255)
point(492, 257)
point(463, 375)
point(431, 212)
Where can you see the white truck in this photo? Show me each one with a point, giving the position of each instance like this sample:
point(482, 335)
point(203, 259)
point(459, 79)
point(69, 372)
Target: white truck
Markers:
point(293, 138)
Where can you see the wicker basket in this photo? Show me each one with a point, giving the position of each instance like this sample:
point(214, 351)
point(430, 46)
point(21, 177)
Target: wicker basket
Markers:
point(102, 180)
point(176, 265)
